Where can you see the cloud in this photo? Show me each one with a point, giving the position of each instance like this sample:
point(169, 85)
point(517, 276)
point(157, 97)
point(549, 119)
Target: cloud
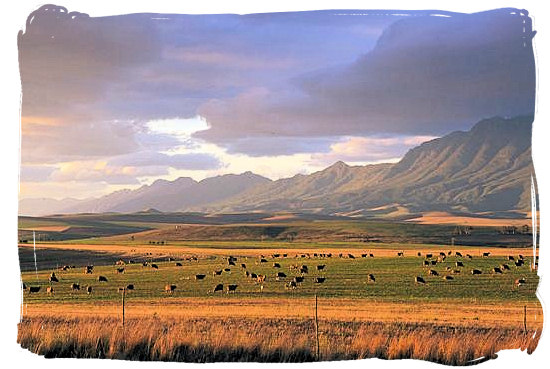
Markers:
point(188, 161)
point(362, 150)
point(426, 76)
point(35, 173)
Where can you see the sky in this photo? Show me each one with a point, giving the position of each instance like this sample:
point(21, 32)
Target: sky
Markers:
point(120, 101)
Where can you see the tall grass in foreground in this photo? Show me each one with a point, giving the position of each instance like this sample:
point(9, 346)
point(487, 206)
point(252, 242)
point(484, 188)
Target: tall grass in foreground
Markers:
point(264, 340)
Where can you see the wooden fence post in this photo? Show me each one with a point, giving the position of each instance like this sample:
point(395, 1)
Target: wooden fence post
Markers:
point(123, 301)
point(525, 319)
point(316, 328)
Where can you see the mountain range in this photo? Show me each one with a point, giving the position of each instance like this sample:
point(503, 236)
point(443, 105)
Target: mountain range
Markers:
point(487, 169)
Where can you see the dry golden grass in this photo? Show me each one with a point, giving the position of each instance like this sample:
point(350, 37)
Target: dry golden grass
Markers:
point(181, 250)
point(264, 340)
point(440, 217)
point(456, 313)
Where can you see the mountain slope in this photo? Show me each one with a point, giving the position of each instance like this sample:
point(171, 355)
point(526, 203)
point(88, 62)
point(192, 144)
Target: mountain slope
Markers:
point(488, 168)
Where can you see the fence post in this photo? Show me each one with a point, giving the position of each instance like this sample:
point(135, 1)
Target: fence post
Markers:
point(123, 301)
point(316, 328)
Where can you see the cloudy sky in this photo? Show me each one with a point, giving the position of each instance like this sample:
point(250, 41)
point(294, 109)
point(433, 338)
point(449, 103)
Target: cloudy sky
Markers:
point(117, 102)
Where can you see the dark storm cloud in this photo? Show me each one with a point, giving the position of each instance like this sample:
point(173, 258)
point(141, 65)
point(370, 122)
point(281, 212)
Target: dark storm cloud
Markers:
point(426, 75)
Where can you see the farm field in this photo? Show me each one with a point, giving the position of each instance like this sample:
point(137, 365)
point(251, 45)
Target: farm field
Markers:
point(489, 305)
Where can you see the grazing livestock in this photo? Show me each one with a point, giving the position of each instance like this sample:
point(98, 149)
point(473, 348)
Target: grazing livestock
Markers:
point(304, 270)
point(243, 265)
point(276, 265)
point(370, 255)
point(449, 252)
point(24, 287)
point(291, 285)
point(154, 266)
point(469, 256)
point(88, 269)
point(130, 287)
point(49, 290)
point(486, 254)
point(497, 270)
point(144, 264)
point(120, 270)
point(53, 278)
point(419, 280)
point(34, 289)
point(371, 278)
point(75, 287)
point(518, 263)
point(458, 254)
point(456, 271)
point(121, 289)
point(217, 272)
point(364, 255)
point(170, 288)
point(505, 267)
point(476, 271)
point(246, 273)
point(262, 261)
point(419, 253)
point(219, 287)
point(459, 264)
point(285, 255)
point(230, 263)
point(102, 279)
point(425, 263)
point(400, 253)
point(231, 288)
point(520, 257)
point(281, 275)
point(519, 282)
point(448, 278)
point(179, 264)
point(442, 254)
point(441, 258)
point(433, 262)
point(253, 275)
point(319, 280)
point(429, 256)
point(199, 277)
point(433, 272)
point(320, 267)
point(261, 278)
point(89, 290)
point(228, 270)
point(511, 258)
point(120, 262)
point(298, 279)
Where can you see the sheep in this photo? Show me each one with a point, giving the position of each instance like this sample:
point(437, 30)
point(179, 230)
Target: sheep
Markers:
point(298, 279)
point(102, 279)
point(170, 288)
point(519, 282)
point(34, 289)
point(419, 280)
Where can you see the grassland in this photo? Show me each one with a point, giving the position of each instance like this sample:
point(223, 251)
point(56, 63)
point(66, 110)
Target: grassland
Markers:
point(447, 321)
